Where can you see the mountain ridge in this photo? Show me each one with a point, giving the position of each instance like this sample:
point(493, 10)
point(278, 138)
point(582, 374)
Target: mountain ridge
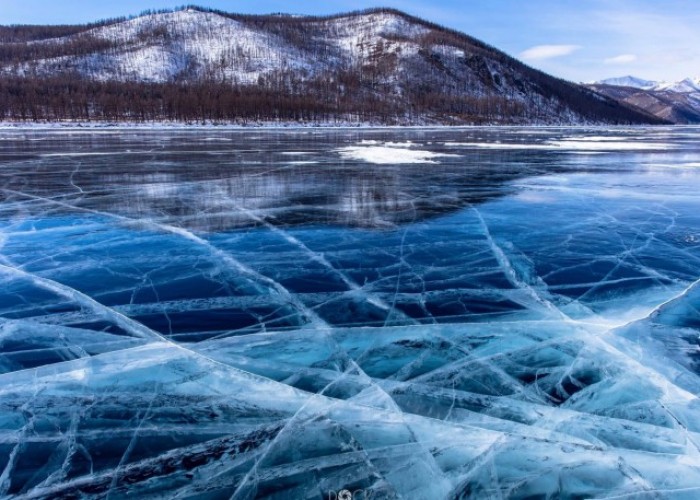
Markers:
point(377, 65)
point(687, 84)
point(678, 102)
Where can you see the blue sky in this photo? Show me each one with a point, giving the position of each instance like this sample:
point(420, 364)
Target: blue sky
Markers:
point(580, 40)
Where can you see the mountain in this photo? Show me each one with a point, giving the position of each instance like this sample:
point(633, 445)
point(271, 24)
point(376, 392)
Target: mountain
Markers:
point(628, 81)
point(684, 86)
point(374, 66)
point(677, 102)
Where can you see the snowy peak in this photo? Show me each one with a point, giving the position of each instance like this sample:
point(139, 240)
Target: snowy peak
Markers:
point(684, 86)
point(688, 85)
point(628, 81)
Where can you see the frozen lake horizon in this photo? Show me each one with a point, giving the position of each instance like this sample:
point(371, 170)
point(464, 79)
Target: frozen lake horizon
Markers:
point(486, 312)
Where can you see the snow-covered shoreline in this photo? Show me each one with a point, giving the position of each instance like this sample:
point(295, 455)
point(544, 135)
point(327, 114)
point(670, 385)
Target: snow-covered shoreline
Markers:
point(113, 125)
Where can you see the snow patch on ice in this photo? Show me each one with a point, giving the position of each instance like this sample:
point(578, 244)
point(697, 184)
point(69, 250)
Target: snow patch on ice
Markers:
point(578, 144)
point(623, 145)
point(675, 165)
point(385, 155)
point(498, 145)
point(390, 144)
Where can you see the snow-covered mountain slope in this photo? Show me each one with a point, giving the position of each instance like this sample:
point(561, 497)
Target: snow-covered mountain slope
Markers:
point(686, 85)
point(170, 46)
point(628, 81)
point(380, 65)
point(678, 102)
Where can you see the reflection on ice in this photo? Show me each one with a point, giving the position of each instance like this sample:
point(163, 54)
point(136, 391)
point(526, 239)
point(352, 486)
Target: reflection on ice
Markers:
point(232, 314)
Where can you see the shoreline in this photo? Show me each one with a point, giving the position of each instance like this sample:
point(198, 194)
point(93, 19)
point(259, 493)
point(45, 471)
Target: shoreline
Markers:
point(109, 125)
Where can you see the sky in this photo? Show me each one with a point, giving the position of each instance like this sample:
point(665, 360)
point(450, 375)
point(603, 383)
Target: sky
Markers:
point(580, 40)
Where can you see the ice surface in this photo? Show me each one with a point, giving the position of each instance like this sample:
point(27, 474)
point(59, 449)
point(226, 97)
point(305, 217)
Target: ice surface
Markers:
point(197, 314)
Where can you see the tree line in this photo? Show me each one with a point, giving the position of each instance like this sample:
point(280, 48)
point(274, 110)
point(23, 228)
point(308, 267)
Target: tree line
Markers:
point(66, 97)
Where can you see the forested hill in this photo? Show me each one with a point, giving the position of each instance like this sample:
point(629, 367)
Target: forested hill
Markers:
point(195, 64)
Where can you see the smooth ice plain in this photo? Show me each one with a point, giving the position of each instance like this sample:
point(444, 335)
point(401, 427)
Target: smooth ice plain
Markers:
point(417, 314)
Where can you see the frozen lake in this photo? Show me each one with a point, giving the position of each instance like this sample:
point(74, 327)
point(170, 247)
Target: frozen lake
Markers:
point(406, 313)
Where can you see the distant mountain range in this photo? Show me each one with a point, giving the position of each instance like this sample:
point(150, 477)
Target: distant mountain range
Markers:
point(677, 102)
point(196, 64)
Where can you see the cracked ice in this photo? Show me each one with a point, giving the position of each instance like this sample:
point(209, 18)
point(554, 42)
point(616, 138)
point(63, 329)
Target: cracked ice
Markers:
point(467, 313)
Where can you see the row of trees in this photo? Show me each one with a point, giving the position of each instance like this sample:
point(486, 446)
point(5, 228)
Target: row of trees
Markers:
point(73, 98)
point(81, 44)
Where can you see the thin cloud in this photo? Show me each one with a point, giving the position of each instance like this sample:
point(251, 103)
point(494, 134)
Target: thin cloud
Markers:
point(621, 59)
point(666, 39)
point(542, 52)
